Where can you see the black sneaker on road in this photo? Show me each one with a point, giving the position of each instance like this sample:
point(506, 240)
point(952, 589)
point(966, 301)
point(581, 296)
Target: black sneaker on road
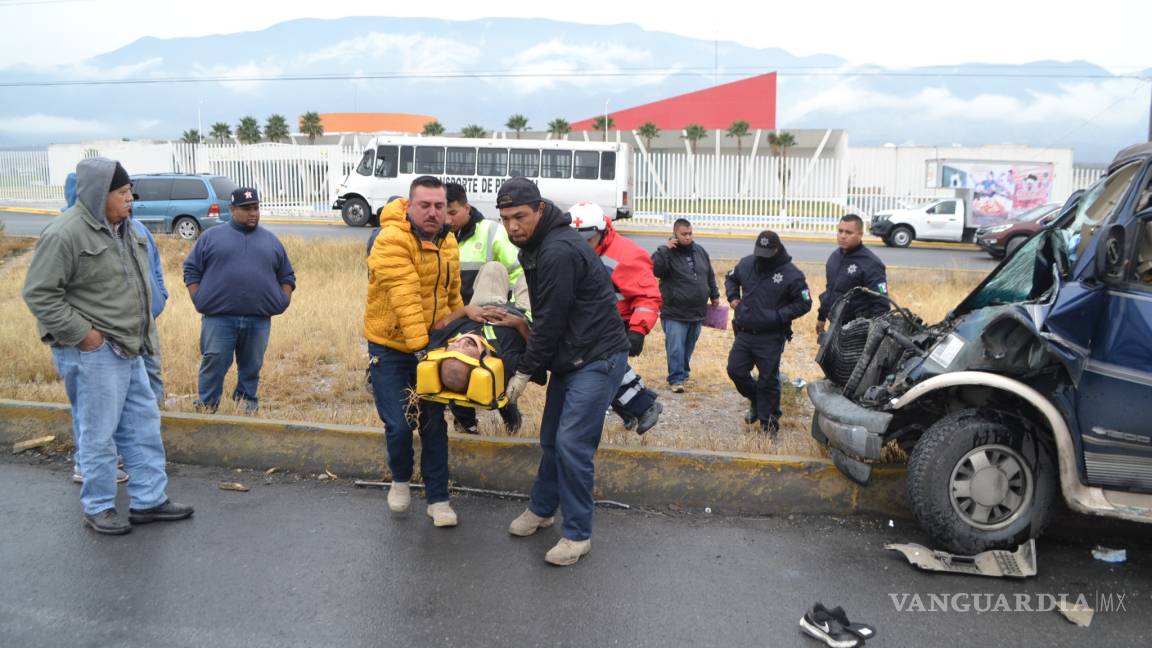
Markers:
point(832, 627)
point(169, 511)
point(107, 522)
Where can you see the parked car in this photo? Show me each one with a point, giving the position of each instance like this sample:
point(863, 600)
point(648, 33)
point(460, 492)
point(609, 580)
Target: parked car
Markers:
point(1002, 239)
point(1032, 388)
point(181, 204)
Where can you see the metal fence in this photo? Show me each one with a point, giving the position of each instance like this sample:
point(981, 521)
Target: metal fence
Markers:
point(24, 177)
point(714, 191)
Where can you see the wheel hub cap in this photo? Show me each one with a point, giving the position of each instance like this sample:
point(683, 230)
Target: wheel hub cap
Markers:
point(991, 487)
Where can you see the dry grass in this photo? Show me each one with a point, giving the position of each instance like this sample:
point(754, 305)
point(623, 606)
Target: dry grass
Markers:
point(314, 367)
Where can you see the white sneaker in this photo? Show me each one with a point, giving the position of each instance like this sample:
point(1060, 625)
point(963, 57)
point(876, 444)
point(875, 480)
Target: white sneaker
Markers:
point(121, 476)
point(399, 497)
point(567, 552)
point(442, 514)
point(528, 523)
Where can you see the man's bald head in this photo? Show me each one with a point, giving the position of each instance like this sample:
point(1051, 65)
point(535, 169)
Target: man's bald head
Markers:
point(454, 375)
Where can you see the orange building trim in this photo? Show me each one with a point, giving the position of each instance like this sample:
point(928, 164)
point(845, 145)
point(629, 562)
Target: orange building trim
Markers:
point(365, 122)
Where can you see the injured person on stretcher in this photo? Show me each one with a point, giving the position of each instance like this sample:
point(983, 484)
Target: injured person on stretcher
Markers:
point(474, 350)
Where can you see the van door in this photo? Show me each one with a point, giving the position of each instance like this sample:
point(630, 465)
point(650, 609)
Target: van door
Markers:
point(189, 199)
point(944, 221)
point(150, 204)
point(1109, 322)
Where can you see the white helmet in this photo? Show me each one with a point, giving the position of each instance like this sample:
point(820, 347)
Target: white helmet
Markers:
point(588, 218)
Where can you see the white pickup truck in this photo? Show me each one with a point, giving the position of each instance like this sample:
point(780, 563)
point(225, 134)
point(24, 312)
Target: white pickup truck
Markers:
point(946, 219)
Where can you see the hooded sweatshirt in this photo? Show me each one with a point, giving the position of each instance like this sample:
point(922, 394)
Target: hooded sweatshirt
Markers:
point(574, 317)
point(85, 275)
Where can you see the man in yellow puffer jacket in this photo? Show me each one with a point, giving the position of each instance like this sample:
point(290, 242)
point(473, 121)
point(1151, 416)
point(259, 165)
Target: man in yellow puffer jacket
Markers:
point(413, 282)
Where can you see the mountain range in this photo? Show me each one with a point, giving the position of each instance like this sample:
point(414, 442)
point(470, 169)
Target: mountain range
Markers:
point(482, 71)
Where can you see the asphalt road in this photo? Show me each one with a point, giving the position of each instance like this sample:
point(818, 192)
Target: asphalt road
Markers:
point(28, 224)
point(307, 563)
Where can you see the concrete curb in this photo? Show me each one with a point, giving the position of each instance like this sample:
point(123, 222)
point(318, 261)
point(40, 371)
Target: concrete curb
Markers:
point(30, 210)
point(727, 482)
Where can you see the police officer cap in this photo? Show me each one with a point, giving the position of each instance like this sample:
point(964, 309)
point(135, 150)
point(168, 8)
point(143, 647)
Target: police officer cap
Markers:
point(767, 244)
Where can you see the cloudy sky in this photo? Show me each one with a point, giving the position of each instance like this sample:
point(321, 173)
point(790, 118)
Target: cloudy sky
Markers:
point(894, 33)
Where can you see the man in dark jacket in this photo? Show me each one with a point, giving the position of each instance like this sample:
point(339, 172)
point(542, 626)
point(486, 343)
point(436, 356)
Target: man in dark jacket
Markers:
point(238, 277)
point(852, 265)
point(88, 287)
point(578, 336)
point(766, 292)
point(687, 283)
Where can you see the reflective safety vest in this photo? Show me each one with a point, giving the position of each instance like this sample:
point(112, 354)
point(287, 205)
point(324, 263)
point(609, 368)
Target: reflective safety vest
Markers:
point(488, 242)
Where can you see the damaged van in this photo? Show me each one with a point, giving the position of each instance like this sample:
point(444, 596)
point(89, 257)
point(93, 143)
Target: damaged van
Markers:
point(1037, 386)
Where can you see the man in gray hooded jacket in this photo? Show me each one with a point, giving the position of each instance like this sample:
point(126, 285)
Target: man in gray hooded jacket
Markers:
point(88, 288)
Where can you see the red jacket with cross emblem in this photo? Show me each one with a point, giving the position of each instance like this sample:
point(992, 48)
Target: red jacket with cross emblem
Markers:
point(637, 291)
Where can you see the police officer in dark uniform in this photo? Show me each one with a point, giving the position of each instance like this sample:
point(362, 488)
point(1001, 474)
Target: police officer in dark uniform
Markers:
point(766, 292)
point(852, 265)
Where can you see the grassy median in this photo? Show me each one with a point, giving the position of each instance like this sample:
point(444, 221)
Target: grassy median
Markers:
point(314, 367)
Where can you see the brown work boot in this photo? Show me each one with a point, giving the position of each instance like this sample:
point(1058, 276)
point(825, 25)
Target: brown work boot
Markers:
point(528, 523)
point(567, 552)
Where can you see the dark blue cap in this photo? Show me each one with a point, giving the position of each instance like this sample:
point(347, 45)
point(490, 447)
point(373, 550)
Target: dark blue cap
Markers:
point(245, 196)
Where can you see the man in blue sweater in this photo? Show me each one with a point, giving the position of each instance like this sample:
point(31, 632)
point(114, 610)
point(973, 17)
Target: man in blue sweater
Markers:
point(239, 277)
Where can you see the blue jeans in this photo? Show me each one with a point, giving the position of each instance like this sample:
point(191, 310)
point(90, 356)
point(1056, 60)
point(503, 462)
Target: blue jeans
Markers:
point(155, 377)
point(393, 377)
point(679, 343)
point(569, 435)
point(221, 337)
point(113, 409)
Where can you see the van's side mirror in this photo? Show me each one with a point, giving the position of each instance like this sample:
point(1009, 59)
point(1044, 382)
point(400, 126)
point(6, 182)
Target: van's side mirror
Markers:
point(623, 213)
point(1109, 262)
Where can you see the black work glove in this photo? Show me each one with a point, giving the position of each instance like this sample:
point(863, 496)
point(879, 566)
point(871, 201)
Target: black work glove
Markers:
point(635, 343)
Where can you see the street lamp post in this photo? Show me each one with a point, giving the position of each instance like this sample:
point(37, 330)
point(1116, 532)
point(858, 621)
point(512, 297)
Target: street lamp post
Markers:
point(606, 118)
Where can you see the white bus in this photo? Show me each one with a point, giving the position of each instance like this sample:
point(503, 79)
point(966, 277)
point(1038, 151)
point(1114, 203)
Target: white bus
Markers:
point(566, 172)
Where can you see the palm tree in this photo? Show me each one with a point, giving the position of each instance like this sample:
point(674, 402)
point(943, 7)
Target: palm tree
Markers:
point(694, 133)
point(518, 123)
point(779, 142)
point(221, 131)
point(248, 130)
point(599, 124)
point(475, 131)
point(433, 129)
point(559, 127)
point(310, 125)
point(191, 136)
point(276, 128)
point(648, 132)
point(739, 130)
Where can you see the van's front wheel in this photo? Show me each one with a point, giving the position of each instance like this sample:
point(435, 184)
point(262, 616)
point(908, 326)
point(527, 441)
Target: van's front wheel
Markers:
point(355, 212)
point(980, 480)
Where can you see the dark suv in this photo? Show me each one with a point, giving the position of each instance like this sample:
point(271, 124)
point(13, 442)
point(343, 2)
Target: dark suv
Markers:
point(1034, 388)
point(181, 204)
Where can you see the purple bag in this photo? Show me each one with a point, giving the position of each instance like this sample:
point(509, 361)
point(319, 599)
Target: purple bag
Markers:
point(716, 317)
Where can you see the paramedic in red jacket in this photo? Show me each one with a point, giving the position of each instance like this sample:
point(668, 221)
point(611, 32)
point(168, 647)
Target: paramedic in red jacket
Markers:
point(637, 300)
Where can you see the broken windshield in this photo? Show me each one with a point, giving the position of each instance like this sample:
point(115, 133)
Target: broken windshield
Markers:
point(1036, 266)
